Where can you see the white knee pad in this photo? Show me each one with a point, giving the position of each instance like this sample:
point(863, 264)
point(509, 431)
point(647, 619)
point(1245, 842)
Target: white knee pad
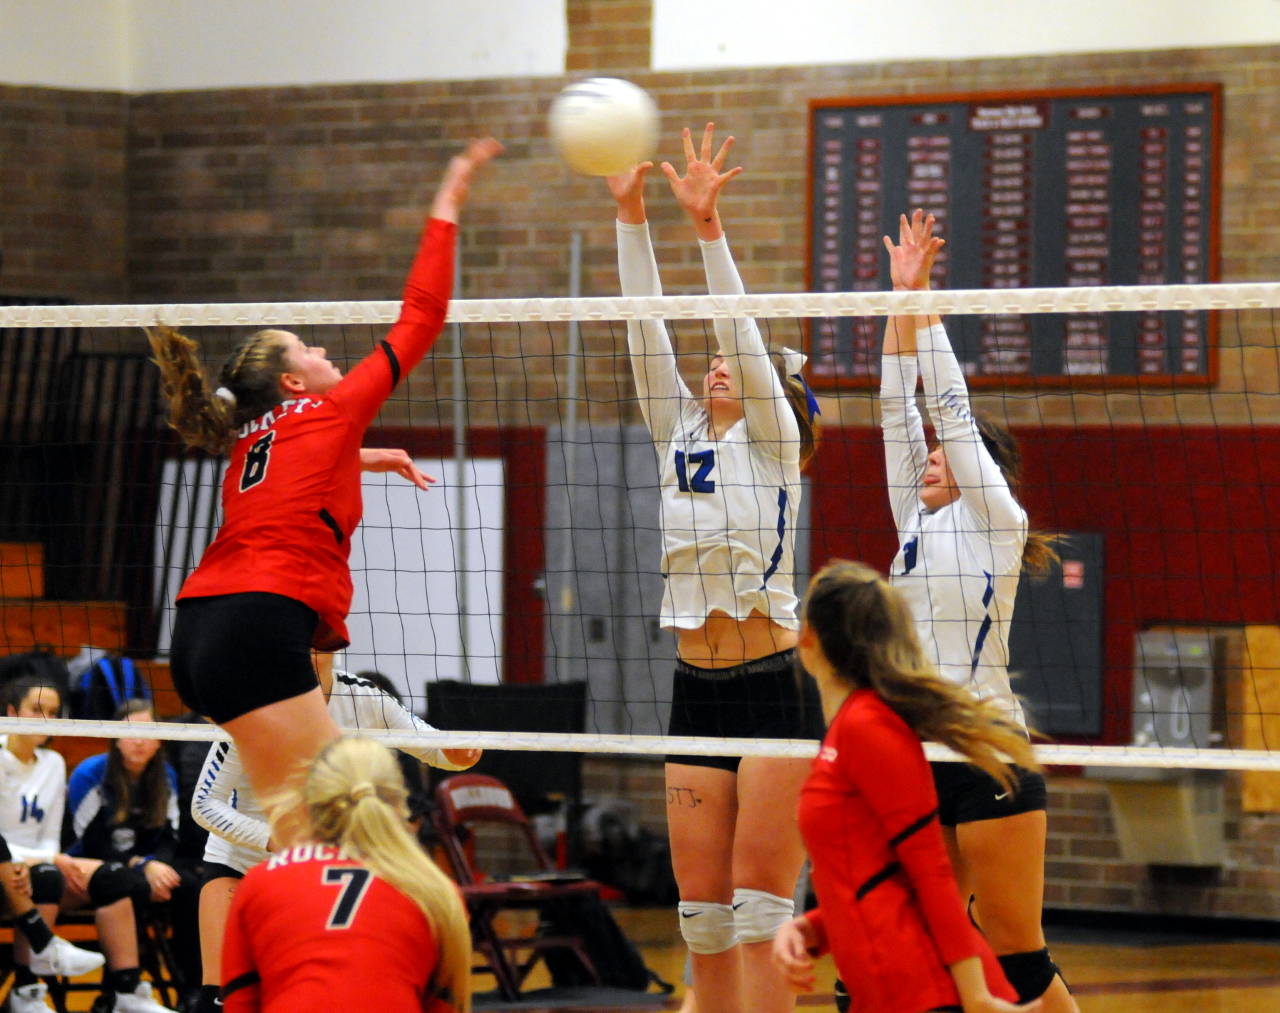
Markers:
point(759, 915)
point(707, 928)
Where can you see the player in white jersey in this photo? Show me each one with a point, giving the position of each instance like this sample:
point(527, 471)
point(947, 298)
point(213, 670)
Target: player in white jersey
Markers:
point(729, 464)
point(239, 832)
point(32, 802)
point(963, 542)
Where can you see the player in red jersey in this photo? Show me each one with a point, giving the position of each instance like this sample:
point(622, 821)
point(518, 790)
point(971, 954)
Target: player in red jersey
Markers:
point(356, 918)
point(889, 909)
point(276, 581)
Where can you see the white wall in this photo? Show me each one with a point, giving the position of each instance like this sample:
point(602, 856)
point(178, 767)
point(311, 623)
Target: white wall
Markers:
point(160, 45)
point(747, 33)
point(64, 43)
point(172, 45)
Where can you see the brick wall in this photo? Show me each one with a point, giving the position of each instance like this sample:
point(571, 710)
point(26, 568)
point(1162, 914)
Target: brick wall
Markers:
point(63, 194)
point(317, 193)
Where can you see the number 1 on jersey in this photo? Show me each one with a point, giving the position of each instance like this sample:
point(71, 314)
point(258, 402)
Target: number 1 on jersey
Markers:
point(354, 888)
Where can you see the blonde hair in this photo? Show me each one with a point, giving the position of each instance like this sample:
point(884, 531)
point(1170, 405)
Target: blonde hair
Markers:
point(867, 634)
point(798, 399)
point(250, 378)
point(354, 796)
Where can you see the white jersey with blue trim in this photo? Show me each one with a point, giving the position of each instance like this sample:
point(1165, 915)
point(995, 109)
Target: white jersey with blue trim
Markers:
point(729, 505)
point(224, 804)
point(958, 566)
point(33, 798)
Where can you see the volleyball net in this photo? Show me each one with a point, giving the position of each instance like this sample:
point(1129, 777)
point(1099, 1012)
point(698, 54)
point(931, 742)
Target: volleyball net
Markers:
point(527, 581)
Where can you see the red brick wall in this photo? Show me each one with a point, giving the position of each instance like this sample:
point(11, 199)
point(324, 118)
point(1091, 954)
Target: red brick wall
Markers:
point(63, 194)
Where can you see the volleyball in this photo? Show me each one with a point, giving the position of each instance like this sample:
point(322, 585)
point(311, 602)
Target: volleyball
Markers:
point(603, 125)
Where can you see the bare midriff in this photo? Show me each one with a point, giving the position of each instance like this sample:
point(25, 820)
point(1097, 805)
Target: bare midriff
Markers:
point(724, 641)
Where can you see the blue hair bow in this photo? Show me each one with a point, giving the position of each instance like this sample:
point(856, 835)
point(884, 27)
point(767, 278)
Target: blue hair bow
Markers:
point(810, 399)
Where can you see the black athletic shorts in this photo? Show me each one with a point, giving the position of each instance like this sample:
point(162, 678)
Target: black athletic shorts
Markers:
point(234, 653)
point(768, 698)
point(216, 870)
point(967, 794)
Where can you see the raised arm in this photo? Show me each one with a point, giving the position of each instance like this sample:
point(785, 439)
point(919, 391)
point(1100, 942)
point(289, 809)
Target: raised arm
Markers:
point(982, 485)
point(905, 451)
point(659, 386)
point(221, 777)
point(764, 401)
point(426, 293)
point(375, 709)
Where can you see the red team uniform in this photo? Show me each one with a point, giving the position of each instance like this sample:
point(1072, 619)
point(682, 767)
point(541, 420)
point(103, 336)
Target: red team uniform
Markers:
point(291, 495)
point(888, 908)
point(313, 930)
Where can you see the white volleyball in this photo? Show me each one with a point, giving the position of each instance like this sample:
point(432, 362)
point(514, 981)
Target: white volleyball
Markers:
point(603, 125)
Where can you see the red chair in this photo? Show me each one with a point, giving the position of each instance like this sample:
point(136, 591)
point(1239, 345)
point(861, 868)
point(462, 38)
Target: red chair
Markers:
point(467, 801)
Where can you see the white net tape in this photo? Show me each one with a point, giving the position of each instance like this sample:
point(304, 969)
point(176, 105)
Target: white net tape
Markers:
point(655, 745)
point(1096, 299)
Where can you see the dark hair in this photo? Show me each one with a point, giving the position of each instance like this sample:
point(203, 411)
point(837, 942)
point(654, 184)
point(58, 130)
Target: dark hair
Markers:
point(18, 689)
point(798, 399)
point(39, 662)
point(1038, 554)
point(153, 786)
point(866, 633)
point(251, 373)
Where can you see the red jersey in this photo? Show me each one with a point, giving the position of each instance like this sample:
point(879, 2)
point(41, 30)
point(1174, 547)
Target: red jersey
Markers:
point(310, 929)
point(291, 495)
point(889, 909)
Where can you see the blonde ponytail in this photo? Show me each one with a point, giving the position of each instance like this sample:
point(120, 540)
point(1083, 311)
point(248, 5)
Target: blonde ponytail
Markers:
point(354, 796)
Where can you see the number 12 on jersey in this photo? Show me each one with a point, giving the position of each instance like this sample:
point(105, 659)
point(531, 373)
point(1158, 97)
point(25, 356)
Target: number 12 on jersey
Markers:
point(705, 460)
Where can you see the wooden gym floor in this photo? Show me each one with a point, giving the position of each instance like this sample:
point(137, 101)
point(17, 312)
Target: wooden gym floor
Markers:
point(1110, 971)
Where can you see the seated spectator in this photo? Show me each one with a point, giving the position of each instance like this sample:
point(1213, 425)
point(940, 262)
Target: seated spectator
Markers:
point(34, 798)
point(359, 911)
point(124, 809)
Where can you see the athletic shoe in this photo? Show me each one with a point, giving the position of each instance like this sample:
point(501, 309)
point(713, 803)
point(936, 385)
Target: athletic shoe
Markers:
point(139, 1001)
point(60, 957)
point(841, 997)
point(29, 999)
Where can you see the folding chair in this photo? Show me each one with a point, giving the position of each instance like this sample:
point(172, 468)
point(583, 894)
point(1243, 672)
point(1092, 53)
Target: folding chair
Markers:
point(466, 801)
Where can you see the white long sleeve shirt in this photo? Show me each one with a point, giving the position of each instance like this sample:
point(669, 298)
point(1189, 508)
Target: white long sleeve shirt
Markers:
point(958, 566)
point(33, 797)
point(729, 505)
point(224, 804)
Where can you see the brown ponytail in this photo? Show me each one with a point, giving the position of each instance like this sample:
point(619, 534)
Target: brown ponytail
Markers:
point(798, 399)
point(866, 632)
point(1038, 555)
point(251, 376)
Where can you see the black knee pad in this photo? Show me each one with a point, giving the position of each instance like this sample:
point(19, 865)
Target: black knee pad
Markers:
point(1029, 973)
point(47, 884)
point(109, 884)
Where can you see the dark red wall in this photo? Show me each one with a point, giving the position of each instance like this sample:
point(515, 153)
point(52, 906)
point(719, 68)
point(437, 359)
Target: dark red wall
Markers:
point(1189, 516)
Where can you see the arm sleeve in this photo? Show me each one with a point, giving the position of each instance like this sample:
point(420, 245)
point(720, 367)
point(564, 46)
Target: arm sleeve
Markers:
point(422, 314)
point(982, 487)
point(211, 802)
point(84, 797)
point(905, 452)
point(659, 386)
point(55, 806)
point(375, 709)
point(898, 786)
point(240, 977)
point(770, 419)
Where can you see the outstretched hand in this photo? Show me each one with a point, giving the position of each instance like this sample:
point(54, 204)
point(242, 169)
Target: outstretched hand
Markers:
point(396, 461)
point(628, 190)
point(704, 176)
point(911, 260)
point(462, 169)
